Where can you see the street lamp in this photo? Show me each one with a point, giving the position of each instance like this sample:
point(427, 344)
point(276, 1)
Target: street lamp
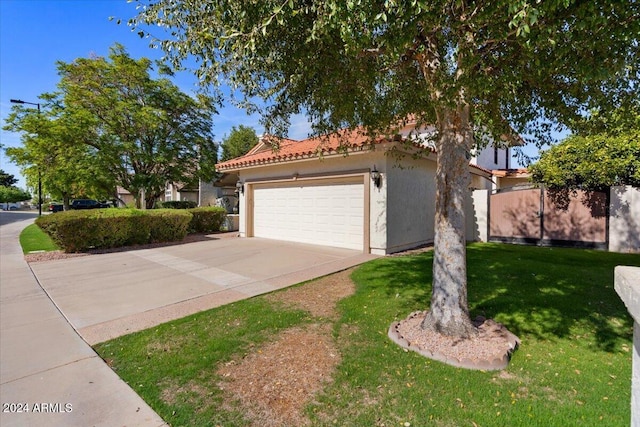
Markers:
point(19, 101)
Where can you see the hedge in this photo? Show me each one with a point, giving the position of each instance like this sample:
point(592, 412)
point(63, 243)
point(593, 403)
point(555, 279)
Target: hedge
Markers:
point(177, 204)
point(80, 230)
point(77, 231)
point(207, 220)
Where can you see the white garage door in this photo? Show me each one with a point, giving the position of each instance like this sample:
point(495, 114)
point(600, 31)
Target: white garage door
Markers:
point(311, 212)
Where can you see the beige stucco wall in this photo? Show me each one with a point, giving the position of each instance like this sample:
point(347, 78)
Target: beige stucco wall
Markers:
point(624, 220)
point(329, 165)
point(627, 285)
point(477, 215)
point(411, 198)
point(486, 159)
point(208, 194)
point(401, 211)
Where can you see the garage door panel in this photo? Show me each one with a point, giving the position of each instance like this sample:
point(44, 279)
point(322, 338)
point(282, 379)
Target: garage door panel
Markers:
point(330, 215)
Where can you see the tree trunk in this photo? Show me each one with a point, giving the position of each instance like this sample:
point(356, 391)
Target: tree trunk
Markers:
point(449, 312)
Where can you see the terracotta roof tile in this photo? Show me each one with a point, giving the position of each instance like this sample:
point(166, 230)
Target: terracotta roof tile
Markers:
point(291, 150)
point(288, 149)
point(511, 173)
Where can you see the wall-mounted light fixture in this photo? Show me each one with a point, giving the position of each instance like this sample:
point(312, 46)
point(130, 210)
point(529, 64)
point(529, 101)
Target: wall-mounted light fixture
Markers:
point(239, 187)
point(376, 177)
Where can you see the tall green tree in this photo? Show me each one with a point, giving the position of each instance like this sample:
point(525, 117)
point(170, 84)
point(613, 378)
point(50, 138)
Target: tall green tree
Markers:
point(502, 66)
point(52, 152)
point(6, 179)
point(239, 142)
point(11, 194)
point(593, 162)
point(603, 151)
point(147, 132)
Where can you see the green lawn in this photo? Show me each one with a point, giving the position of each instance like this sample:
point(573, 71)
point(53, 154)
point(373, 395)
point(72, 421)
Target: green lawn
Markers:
point(33, 239)
point(573, 368)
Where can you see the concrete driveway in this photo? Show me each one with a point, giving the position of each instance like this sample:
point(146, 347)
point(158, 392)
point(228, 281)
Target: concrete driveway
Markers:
point(108, 295)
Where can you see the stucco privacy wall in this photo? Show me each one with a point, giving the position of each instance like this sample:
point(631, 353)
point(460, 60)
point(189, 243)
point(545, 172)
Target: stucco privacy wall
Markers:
point(477, 216)
point(624, 219)
point(627, 285)
point(411, 200)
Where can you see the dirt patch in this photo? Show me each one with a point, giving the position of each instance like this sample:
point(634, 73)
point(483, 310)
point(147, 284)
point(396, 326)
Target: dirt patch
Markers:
point(50, 256)
point(489, 350)
point(274, 383)
point(277, 381)
point(192, 393)
point(320, 296)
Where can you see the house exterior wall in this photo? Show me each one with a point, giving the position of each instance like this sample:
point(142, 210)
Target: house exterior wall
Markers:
point(486, 157)
point(509, 182)
point(208, 194)
point(360, 162)
point(624, 219)
point(411, 200)
point(400, 213)
point(479, 182)
point(191, 196)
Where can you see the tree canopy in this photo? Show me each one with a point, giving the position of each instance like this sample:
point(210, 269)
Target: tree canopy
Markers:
point(110, 123)
point(147, 132)
point(592, 162)
point(6, 179)
point(53, 152)
point(241, 139)
point(11, 194)
point(491, 68)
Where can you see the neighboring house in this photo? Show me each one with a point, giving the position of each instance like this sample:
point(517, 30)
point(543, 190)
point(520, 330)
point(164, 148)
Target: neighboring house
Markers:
point(181, 192)
point(510, 178)
point(205, 194)
point(125, 198)
point(210, 192)
point(326, 191)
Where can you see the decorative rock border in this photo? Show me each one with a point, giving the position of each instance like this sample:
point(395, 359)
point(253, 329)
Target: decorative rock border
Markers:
point(490, 332)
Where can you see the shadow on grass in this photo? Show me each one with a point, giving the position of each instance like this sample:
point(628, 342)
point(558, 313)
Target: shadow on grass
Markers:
point(544, 293)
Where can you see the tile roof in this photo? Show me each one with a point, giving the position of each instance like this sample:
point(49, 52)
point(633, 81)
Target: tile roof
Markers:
point(290, 150)
point(511, 173)
point(343, 141)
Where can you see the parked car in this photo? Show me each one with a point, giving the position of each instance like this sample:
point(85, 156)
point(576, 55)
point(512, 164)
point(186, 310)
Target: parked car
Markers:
point(87, 204)
point(10, 206)
point(56, 207)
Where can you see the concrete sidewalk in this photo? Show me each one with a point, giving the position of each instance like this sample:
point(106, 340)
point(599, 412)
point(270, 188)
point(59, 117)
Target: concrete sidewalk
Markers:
point(46, 370)
point(51, 312)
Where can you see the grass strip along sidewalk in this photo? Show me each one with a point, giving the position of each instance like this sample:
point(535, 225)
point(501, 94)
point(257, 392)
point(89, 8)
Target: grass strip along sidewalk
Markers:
point(33, 239)
point(572, 369)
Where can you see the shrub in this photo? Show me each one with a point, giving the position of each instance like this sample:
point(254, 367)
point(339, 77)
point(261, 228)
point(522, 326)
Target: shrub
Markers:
point(207, 220)
point(177, 204)
point(77, 231)
point(168, 225)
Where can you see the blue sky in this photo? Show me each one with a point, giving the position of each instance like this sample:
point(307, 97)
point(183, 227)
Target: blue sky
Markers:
point(34, 34)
